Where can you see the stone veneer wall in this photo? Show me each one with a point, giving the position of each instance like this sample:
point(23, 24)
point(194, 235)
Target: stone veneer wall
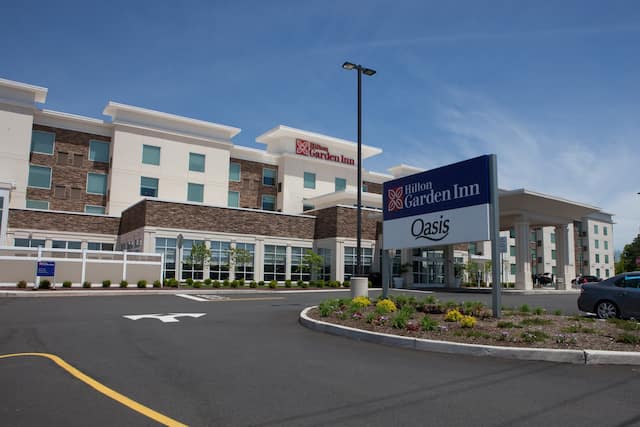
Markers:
point(69, 172)
point(61, 221)
point(215, 219)
point(373, 187)
point(250, 186)
point(341, 221)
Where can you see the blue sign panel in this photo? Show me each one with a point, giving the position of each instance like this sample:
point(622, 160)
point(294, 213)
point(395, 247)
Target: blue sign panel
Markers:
point(449, 187)
point(46, 269)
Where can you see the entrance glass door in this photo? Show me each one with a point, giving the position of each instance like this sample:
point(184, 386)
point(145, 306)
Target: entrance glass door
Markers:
point(428, 266)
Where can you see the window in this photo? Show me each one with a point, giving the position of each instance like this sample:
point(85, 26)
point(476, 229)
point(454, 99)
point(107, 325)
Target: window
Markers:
point(365, 188)
point(299, 271)
point(512, 250)
point(341, 184)
point(606, 259)
point(42, 142)
point(98, 151)
point(597, 257)
point(597, 272)
point(244, 267)
point(275, 259)
point(268, 202)
point(150, 155)
point(512, 233)
point(64, 244)
point(596, 244)
point(606, 273)
point(553, 237)
point(554, 254)
point(473, 249)
point(514, 269)
point(190, 269)
point(99, 246)
point(29, 243)
point(39, 177)
point(148, 186)
point(605, 231)
point(533, 235)
point(268, 177)
point(350, 261)
point(96, 183)
point(606, 244)
point(37, 204)
point(554, 271)
point(325, 273)
point(595, 228)
point(234, 172)
point(168, 248)
point(196, 162)
point(234, 199)
point(195, 192)
point(309, 180)
point(92, 209)
point(219, 262)
point(307, 207)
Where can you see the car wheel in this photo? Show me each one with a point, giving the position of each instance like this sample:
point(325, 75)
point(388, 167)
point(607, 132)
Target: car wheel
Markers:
point(607, 310)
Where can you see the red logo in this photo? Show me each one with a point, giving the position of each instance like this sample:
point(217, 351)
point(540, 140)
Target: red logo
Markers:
point(303, 147)
point(395, 199)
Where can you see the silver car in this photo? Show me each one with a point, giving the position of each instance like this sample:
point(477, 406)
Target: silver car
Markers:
point(617, 296)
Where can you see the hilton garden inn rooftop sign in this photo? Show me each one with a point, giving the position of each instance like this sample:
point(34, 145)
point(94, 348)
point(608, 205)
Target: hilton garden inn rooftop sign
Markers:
point(438, 207)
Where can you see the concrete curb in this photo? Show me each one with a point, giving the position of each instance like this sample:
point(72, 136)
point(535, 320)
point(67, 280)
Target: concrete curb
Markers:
point(580, 357)
point(114, 292)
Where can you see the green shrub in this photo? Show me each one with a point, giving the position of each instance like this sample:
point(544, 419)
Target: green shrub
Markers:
point(533, 336)
point(557, 313)
point(524, 308)
point(142, 283)
point(287, 283)
point(346, 284)
point(241, 283)
point(400, 320)
point(226, 283)
point(370, 284)
point(261, 283)
point(124, 283)
point(216, 284)
point(22, 284)
point(174, 283)
point(45, 284)
point(428, 324)
point(189, 281)
point(539, 311)
point(299, 283)
point(328, 307)
point(207, 281)
point(235, 283)
point(627, 325)
point(253, 284)
point(66, 284)
point(106, 283)
point(507, 324)
point(535, 321)
point(86, 284)
point(197, 284)
point(303, 284)
point(578, 328)
point(273, 284)
point(628, 338)
point(319, 283)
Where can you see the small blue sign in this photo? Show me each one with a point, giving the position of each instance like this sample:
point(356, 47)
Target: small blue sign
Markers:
point(46, 269)
point(453, 186)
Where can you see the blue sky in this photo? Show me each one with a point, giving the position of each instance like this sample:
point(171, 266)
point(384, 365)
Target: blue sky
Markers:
point(551, 87)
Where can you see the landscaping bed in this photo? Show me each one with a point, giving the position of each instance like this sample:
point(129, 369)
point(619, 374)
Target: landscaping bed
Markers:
point(473, 323)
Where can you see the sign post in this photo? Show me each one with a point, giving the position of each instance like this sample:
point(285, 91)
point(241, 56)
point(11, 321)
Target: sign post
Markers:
point(496, 300)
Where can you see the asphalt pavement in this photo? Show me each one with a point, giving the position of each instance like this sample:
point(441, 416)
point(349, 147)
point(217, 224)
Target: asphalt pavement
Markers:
point(247, 361)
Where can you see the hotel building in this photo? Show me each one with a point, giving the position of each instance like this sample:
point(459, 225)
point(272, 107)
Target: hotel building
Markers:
point(147, 181)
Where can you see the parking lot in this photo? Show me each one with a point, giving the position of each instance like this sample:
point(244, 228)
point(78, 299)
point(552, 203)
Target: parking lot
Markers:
point(245, 360)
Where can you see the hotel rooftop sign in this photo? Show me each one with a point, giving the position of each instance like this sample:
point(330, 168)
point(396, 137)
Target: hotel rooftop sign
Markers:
point(438, 207)
point(319, 151)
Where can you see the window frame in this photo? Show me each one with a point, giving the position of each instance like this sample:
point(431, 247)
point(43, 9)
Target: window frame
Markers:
point(151, 147)
point(97, 141)
point(104, 209)
point(105, 183)
point(229, 199)
point(306, 176)
point(191, 185)
point(275, 177)
point(41, 201)
point(157, 181)
point(275, 203)
point(239, 172)
point(335, 182)
point(53, 142)
point(204, 161)
point(41, 167)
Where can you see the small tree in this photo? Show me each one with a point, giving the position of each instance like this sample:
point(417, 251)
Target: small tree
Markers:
point(628, 256)
point(472, 270)
point(239, 257)
point(200, 255)
point(312, 262)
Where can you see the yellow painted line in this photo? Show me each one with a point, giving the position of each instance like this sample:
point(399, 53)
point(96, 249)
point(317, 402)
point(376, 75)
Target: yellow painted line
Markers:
point(148, 412)
point(248, 299)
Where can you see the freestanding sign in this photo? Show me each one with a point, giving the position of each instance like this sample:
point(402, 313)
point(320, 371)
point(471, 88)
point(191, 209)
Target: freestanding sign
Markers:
point(439, 207)
point(456, 203)
point(46, 269)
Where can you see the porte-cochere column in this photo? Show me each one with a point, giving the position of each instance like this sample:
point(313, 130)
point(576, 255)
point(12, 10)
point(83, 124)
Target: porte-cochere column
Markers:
point(523, 257)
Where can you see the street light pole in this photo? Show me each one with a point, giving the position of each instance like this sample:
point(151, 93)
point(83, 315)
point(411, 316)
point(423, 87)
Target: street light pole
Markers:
point(369, 72)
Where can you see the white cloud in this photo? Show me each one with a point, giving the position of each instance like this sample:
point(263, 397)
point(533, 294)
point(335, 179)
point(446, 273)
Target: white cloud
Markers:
point(530, 155)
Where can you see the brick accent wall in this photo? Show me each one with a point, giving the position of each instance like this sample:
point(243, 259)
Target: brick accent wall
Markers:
point(215, 219)
point(339, 221)
point(60, 221)
point(69, 166)
point(372, 187)
point(250, 186)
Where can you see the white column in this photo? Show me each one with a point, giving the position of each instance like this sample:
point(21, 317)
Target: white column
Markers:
point(5, 192)
point(449, 268)
point(563, 256)
point(523, 256)
point(258, 261)
point(287, 274)
point(338, 256)
point(232, 265)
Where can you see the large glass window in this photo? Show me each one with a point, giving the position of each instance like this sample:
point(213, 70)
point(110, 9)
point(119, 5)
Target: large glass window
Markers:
point(234, 172)
point(245, 253)
point(29, 243)
point(148, 186)
point(234, 199)
point(299, 271)
point(196, 162)
point(350, 261)
point(93, 209)
point(100, 246)
point(150, 155)
point(37, 204)
point(65, 244)
point(99, 151)
point(275, 260)
point(167, 247)
point(269, 177)
point(325, 273)
point(428, 266)
point(96, 183)
point(191, 268)
point(219, 263)
point(341, 184)
point(195, 192)
point(268, 202)
point(553, 254)
point(42, 142)
point(309, 180)
point(39, 177)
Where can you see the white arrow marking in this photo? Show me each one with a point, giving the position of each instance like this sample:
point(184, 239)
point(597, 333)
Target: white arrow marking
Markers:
point(164, 318)
point(193, 297)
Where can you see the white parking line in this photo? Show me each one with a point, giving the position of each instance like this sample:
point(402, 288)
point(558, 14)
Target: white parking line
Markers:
point(195, 298)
